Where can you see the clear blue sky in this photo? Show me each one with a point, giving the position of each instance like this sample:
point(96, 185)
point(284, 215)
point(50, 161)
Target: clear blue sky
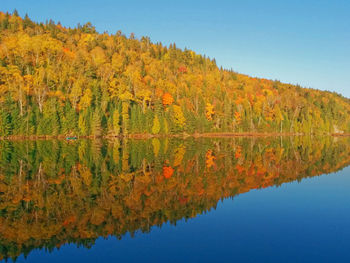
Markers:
point(301, 42)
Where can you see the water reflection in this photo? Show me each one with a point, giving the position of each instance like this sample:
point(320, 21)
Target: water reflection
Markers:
point(54, 192)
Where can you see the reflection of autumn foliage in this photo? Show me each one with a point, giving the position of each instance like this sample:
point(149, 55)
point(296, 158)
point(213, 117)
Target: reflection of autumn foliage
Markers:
point(167, 171)
point(238, 152)
point(209, 159)
point(62, 192)
point(179, 155)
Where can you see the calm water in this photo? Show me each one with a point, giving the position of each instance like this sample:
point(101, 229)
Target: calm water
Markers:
point(170, 200)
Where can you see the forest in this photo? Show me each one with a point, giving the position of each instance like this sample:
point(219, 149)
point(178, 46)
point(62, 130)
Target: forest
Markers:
point(54, 192)
point(58, 81)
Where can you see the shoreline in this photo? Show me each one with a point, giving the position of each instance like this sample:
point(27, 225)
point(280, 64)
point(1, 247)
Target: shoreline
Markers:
point(180, 135)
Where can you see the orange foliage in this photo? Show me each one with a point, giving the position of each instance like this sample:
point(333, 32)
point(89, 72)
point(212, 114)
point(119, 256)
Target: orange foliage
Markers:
point(238, 152)
point(167, 99)
point(240, 168)
point(251, 99)
point(238, 117)
point(209, 159)
point(69, 220)
point(168, 171)
point(68, 52)
point(159, 93)
point(239, 100)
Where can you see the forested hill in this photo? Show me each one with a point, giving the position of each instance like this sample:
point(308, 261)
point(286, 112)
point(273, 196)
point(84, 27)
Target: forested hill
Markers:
point(63, 81)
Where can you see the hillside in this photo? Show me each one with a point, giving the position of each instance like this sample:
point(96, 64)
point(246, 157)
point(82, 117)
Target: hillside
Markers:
point(63, 81)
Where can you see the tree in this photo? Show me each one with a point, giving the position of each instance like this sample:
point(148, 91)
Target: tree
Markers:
point(167, 99)
point(5, 123)
point(125, 117)
point(209, 111)
point(84, 122)
point(178, 117)
point(96, 129)
point(116, 122)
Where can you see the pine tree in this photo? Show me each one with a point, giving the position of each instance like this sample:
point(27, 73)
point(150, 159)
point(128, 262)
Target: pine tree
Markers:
point(96, 128)
point(83, 123)
point(116, 122)
point(5, 123)
point(69, 122)
point(125, 117)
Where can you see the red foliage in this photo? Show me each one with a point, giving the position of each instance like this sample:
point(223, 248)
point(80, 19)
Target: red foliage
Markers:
point(69, 220)
point(183, 200)
point(182, 69)
point(167, 171)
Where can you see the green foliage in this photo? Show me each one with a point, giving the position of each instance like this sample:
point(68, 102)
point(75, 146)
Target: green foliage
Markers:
point(96, 128)
point(5, 123)
point(116, 122)
point(84, 123)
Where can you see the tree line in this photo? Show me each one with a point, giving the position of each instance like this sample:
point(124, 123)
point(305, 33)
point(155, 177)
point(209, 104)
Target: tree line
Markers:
point(75, 81)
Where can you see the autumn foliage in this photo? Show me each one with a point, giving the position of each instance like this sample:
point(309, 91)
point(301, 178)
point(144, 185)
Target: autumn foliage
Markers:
point(209, 159)
point(182, 69)
point(238, 117)
point(209, 111)
point(75, 81)
point(167, 171)
point(167, 99)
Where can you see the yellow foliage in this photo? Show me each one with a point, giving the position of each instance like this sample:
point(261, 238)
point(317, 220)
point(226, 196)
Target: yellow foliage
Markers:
point(179, 117)
point(85, 100)
point(179, 155)
point(209, 111)
point(156, 146)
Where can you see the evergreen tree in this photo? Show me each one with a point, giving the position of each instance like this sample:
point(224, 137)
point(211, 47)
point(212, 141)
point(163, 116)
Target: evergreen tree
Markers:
point(116, 122)
point(5, 123)
point(96, 128)
point(83, 123)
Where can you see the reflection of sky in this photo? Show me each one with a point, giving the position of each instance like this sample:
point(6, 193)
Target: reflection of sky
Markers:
point(305, 42)
point(296, 222)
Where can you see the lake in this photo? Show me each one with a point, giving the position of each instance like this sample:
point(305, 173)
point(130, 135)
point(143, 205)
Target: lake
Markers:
point(273, 199)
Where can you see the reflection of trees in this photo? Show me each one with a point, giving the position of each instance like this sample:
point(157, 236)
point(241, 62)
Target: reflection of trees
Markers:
point(54, 192)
